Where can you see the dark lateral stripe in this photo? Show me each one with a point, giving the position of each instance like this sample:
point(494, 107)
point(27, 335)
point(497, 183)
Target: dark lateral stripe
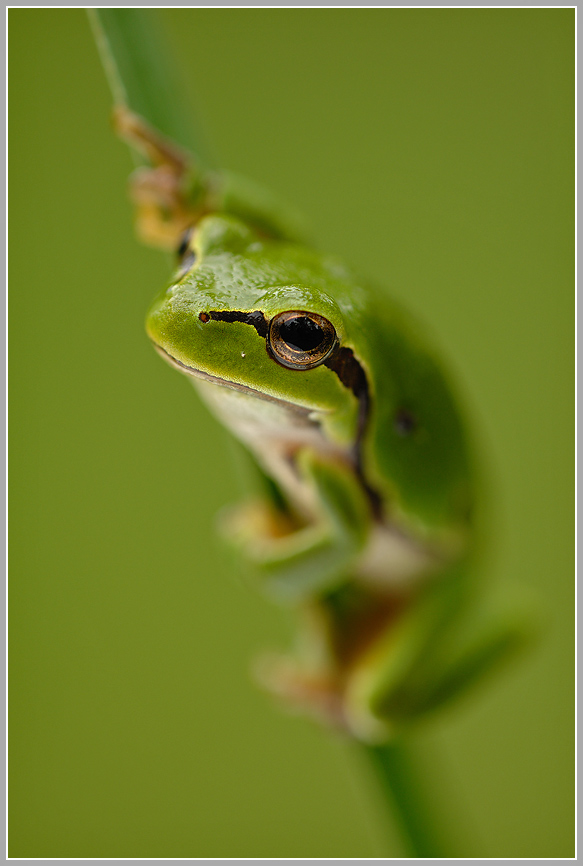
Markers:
point(255, 318)
point(352, 376)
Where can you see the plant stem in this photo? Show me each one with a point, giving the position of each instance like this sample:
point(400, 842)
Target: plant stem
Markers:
point(141, 75)
point(399, 776)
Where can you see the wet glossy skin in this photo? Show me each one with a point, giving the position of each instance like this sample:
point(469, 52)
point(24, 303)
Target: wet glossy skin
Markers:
point(413, 450)
point(365, 522)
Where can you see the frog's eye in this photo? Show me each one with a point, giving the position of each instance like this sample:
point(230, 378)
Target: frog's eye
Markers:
point(300, 340)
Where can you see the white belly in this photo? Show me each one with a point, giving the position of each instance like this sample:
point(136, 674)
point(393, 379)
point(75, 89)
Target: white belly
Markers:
point(274, 431)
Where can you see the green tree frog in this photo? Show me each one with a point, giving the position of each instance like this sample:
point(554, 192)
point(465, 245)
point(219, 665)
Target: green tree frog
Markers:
point(365, 521)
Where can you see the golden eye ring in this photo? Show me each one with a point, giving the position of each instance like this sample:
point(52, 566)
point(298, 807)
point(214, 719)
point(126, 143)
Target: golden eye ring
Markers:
point(300, 340)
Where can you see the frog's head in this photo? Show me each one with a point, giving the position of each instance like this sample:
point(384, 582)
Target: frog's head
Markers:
point(253, 315)
point(289, 326)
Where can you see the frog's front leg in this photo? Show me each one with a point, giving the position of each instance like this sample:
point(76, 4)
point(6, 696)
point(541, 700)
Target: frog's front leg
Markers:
point(301, 559)
point(172, 192)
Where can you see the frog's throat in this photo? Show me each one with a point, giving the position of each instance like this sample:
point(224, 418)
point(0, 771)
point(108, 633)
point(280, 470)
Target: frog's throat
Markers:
point(235, 386)
point(342, 362)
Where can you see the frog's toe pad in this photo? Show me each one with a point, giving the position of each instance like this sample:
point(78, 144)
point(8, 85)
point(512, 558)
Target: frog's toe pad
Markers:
point(302, 691)
point(251, 523)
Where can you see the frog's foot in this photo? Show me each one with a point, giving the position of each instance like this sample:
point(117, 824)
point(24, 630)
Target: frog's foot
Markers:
point(170, 194)
point(162, 215)
point(315, 694)
point(319, 696)
point(251, 525)
point(155, 147)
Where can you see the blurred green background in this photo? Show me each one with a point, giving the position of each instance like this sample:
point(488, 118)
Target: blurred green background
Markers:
point(432, 149)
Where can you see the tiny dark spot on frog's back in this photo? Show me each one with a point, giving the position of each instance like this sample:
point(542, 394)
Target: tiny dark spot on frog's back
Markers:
point(405, 422)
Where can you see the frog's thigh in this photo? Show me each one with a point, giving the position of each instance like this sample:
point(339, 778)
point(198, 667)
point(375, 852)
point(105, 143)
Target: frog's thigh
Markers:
point(430, 658)
point(491, 634)
point(315, 558)
point(385, 666)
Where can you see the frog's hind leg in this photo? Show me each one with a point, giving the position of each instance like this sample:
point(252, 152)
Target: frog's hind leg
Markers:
point(440, 646)
point(336, 630)
point(306, 680)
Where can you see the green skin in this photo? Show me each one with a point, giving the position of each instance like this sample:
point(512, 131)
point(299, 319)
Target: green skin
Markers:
point(365, 517)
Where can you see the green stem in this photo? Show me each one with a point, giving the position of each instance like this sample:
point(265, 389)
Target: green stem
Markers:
point(141, 75)
point(399, 777)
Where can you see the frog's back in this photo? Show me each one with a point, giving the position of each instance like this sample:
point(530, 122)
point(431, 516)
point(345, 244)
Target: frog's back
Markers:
point(418, 445)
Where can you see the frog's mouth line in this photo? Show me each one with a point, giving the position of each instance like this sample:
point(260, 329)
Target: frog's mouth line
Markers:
point(235, 386)
point(342, 362)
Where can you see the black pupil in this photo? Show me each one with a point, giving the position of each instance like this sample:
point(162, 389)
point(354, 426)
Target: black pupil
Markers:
point(301, 334)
